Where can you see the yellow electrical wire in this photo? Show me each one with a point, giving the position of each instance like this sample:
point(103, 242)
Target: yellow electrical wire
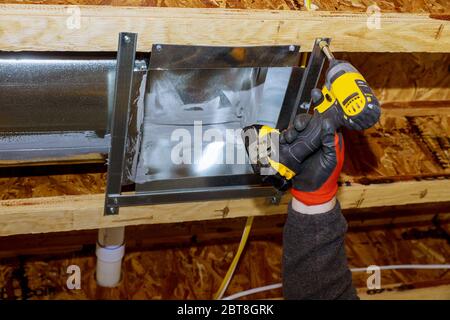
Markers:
point(226, 280)
point(304, 59)
point(307, 4)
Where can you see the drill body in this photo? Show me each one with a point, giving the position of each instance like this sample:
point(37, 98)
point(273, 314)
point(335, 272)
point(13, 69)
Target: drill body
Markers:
point(345, 100)
point(347, 90)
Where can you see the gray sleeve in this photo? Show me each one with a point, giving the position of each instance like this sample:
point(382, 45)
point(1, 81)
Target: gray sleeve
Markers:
point(314, 259)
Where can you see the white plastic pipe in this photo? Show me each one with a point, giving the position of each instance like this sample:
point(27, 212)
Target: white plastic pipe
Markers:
point(110, 251)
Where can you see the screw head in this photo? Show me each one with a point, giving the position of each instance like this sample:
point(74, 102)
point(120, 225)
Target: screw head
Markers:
point(158, 47)
point(127, 39)
point(291, 48)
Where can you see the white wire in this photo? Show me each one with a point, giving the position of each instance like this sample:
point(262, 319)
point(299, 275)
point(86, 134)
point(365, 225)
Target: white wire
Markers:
point(405, 266)
point(389, 267)
point(253, 291)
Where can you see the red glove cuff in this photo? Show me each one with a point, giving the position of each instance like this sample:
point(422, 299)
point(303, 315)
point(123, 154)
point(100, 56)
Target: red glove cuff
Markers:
point(329, 189)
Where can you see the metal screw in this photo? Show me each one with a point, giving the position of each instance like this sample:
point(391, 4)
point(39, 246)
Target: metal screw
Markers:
point(305, 105)
point(158, 47)
point(126, 39)
point(323, 45)
point(112, 210)
point(291, 48)
point(115, 201)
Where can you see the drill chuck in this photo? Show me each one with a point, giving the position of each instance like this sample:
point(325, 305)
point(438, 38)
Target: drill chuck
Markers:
point(323, 45)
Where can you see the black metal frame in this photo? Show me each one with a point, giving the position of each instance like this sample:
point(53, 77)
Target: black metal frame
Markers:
point(121, 110)
point(119, 131)
point(309, 80)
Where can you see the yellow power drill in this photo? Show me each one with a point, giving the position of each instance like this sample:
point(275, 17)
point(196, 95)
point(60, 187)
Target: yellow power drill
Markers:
point(345, 100)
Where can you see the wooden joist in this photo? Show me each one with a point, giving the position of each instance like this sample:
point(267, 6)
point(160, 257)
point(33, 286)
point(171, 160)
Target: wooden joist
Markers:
point(65, 213)
point(57, 28)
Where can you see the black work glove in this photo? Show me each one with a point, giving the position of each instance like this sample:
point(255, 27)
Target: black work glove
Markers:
point(317, 175)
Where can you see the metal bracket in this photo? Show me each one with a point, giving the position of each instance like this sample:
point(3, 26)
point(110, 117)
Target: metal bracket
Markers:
point(310, 79)
point(119, 132)
point(121, 109)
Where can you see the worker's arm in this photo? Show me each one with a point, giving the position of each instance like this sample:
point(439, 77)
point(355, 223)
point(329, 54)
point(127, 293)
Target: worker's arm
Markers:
point(314, 258)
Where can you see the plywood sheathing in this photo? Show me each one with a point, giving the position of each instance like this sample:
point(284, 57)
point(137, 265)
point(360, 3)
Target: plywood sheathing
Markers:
point(195, 272)
point(401, 147)
point(417, 6)
point(53, 185)
point(404, 77)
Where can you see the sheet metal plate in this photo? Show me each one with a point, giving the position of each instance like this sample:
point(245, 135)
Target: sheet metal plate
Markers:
point(56, 104)
point(172, 57)
point(55, 92)
point(188, 85)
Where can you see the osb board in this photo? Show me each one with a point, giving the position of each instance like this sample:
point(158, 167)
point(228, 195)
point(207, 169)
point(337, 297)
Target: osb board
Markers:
point(431, 6)
point(53, 185)
point(401, 147)
point(195, 272)
point(404, 76)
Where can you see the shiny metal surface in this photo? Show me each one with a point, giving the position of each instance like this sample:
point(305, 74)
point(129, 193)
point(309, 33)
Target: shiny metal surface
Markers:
point(57, 104)
point(221, 99)
point(60, 92)
point(49, 145)
point(171, 57)
point(309, 80)
point(123, 89)
point(199, 192)
point(290, 97)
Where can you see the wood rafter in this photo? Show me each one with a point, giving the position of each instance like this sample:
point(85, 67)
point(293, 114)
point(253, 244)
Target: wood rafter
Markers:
point(64, 213)
point(45, 28)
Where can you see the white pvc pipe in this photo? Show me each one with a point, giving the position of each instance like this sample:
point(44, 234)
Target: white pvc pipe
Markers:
point(110, 251)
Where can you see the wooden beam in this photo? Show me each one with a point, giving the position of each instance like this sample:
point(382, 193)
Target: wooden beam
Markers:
point(207, 232)
point(417, 108)
point(65, 213)
point(55, 28)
